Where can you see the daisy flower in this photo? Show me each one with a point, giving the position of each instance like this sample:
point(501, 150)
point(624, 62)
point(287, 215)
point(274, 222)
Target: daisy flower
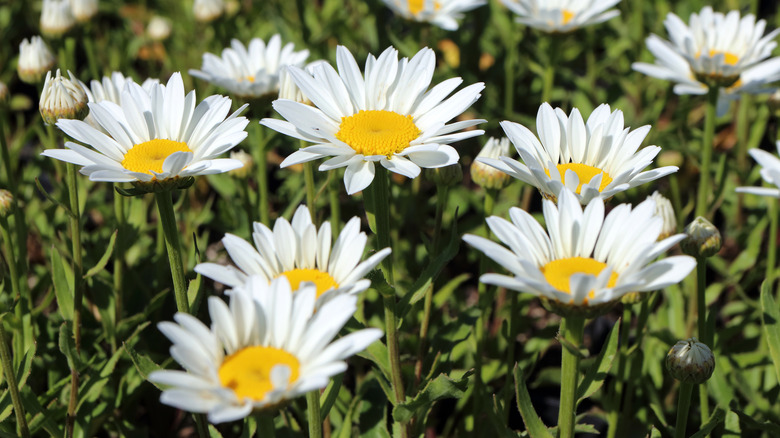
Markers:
point(154, 136)
point(562, 15)
point(597, 158)
point(718, 50)
point(770, 172)
point(56, 17)
point(585, 261)
point(110, 87)
point(301, 253)
point(386, 115)
point(258, 353)
point(35, 59)
point(251, 71)
point(441, 13)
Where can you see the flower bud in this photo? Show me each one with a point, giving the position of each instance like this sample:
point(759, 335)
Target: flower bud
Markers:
point(56, 17)
point(690, 361)
point(83, 10)
point(663, 208)
point(62, 99)
point(35, 59)
point(159, 28)
point(288, 89)
point(703, 239)
point(6, 202)
point(208, 10)
point(446, 176)
point(488, 176)
point(246, 170)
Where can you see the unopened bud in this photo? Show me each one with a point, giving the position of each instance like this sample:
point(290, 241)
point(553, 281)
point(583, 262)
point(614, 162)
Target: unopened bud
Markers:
point(488, 176)
point(35, 59)
point(664, 209)
point(159, 28)
point(246, 170)
point(288, 89)
point(703, 239)
point(62, 99)
point(83, 10)
point(690, 361)
point(208, 10)
point(446, 176)
point(56, 17)
point(6, 202)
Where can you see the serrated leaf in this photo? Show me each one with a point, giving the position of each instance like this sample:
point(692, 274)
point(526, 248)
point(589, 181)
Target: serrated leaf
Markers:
point(68, 346)
point(194, 293)
point(599, 370)
point(440, 387)
point(770, 322)
point(39, 416)
point(101, 264)
point(142, 363)
point(61, 286)
point(378, 354)
point(533, 423)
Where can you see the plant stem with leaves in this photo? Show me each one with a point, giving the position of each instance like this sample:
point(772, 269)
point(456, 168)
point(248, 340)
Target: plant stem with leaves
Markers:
point(78, 267)
point(10, 379)
point(572, 328)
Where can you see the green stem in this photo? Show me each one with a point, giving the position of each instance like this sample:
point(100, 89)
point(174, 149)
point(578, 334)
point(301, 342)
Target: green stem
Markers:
point(10, 378)
point(12, 272)
point(75, 229)
point(701, 318)
point(308, 177)
point(742, 133)
point(119, 254)
point(377, 204)
point(514, 326)
point(683, 406)
point(772, 244)
point(572, 328)
point(265, 425)
point(334, 187)
point(702, 206)
point(173, 244)
point(509, 77)
point(89, 49)
point(313, 413)
point(548, 78)
point(634, 361)
point(613, 418)
point(262, 182)
point(202, 425)
point(441, 204)
point(485, 298)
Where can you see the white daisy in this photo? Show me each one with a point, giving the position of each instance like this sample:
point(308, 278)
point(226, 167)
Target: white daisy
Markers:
point(562, 15)
point(301, 253)
point(770, 172)
point(56, 17)
point(83, 10)
point(442, 13)
point(716, 50)
point(597, 158)
point(584, 259)
point(110, 87)
point(258, 353)
point(208, 10)
point(153, 136)
point(251, 71)
point(35, 59)
point(387, 116)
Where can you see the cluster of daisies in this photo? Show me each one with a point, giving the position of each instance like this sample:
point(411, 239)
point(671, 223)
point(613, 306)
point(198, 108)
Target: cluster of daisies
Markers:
point(292, 291)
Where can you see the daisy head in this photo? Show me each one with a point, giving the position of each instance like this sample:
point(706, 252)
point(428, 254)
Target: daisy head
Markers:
point(258, 353)
point(35, 59)
point(154, 137)
point(251, 71)
point(593, 159)
point(62, 98)
point(585, 261)
point(442, 13)
point(302, 254)
point(387, 115)
point(714, 50)
point(770, 172)
point(56, 17)
point(561, 16)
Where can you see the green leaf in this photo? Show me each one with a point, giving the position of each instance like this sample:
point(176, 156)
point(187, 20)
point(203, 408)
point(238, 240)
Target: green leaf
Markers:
point(68, 346)
point(40, 417)
point(51, 199)
point(61, 286)
point(213, 432)
point(101, 264)
point(715, 419)
point(377, 353)
point(440, 387)
point(752, 423)
point(194, 293)
point(599, 370)
point(142, 363)
point(732, 428)
point(533, 423)
point(770, 321)
point(329, 395)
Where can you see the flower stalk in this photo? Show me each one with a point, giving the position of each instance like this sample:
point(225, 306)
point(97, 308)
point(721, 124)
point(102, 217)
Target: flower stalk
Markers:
point(572, 328)
point(75, 230)
point(683, 406)
point(313, 413)
point(173, 245)
point(702, 206)
point(10, 378)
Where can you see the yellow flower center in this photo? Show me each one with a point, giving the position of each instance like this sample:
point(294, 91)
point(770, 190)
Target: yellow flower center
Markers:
point(584, 172)
point(249, 78)
point(567, 16)
point(417, 6)
point(321, 279)
point(248, 371)
point(149, 156)
point(558, 272)
point(377, 132)
point(728, 57)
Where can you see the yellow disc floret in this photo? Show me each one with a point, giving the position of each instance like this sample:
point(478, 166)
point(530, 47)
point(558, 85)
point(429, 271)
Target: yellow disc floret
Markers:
point(149, 156)
point(584, 172)
point(728, 57)
point(321, 279)
point(567, 16)
point(248, 371)
point(377, 132)
point(558, 272)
